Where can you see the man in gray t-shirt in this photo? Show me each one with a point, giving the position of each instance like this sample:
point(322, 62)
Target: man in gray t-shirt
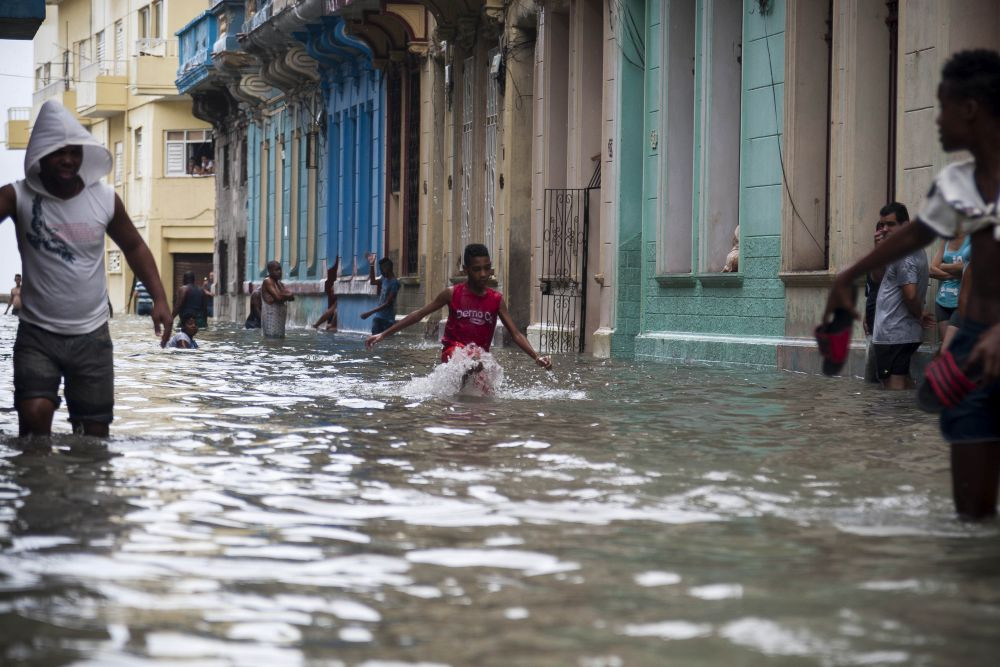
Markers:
point(899, 323)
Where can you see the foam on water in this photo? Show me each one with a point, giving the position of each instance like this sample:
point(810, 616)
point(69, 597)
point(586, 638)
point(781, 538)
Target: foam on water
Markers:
point(450, 378)
point(447, 380)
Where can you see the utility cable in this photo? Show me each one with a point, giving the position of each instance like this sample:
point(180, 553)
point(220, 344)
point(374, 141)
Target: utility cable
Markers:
point(781, 159)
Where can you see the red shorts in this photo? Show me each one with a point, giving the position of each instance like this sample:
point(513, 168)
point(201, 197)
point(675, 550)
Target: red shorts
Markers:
point(449, 350)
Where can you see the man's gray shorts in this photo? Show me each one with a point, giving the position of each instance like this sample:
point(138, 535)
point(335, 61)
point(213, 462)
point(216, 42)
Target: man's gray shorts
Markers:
point(86, 362)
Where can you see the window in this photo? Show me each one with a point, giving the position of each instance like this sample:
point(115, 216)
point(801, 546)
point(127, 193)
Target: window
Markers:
point(189, 153)
point(395, 101)
point(100, 49)
point(119, 166)
point(82, 56)
point(138, 152)
point(157, 19)
point(699, 142)
point(119, 47)
point(243, 161)
point(114, 261)
point(222, 287)
point(143, 18)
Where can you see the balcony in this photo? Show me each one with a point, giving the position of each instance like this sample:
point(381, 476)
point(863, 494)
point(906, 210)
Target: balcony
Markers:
point(152, 69)
point(60, 90)
point(196, 41)
point(100, 93)
point(17, 127)
point(258, 19)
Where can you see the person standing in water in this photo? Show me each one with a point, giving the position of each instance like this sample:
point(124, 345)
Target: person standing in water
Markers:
point(184, 339)
point(253, 319)
point(15, 297)
point(61, 213)
point(964, 199)
point(191, 299)
point(274, 297)
point(473, 309)
point(388, 288)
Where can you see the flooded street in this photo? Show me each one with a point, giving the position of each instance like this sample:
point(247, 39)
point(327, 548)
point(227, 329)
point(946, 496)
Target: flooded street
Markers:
point(305, 502)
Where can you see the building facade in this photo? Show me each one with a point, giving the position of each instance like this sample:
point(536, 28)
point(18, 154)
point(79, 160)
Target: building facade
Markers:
point(647, 182)
point(112, 62)
point(774, 130)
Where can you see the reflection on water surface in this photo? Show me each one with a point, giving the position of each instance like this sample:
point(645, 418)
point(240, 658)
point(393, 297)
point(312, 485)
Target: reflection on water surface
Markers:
point(306, 502)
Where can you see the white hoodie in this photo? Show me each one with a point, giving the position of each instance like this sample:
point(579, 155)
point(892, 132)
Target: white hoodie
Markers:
point(62, 240)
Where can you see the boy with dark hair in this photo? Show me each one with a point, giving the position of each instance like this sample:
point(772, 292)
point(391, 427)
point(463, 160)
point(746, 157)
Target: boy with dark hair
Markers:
point(184, 339)
point(388, 288)
point(898, 325)
point(473, 309)
point(964, 198)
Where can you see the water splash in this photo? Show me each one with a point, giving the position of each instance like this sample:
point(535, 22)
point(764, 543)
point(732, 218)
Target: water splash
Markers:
point(471, 371)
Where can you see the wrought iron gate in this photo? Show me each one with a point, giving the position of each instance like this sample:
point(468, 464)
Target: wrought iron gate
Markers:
point(563, 270)
point(468, 81)
point(490, 179)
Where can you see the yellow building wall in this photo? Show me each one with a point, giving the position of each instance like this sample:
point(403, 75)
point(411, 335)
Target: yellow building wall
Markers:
point(173, 215)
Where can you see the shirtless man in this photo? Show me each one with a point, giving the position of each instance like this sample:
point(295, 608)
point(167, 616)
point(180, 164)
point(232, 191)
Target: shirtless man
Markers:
point(15, 297)
point(274, 297)
point(963, 199)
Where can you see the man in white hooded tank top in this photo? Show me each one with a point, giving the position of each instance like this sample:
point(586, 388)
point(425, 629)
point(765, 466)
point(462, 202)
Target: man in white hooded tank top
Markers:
point(61, 212)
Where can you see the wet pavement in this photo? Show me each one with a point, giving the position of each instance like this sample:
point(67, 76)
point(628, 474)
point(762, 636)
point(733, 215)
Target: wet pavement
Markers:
point(306, 502)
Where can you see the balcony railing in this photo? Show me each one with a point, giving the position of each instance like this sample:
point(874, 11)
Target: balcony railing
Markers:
point(258, 19)
point(51, 91)
point(196, 59)
point(152, 70)
point(19, 113)
point(156, 46)
point(100, 94)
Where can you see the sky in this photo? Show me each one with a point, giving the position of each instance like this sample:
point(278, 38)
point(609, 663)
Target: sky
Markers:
point(16, 82)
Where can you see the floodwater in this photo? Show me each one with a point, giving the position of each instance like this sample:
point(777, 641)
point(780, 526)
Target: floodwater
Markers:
point(305, 502)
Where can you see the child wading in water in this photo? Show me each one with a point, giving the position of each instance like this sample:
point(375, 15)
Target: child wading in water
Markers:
point(184, 339)
point(963, 199)
point(473, 308)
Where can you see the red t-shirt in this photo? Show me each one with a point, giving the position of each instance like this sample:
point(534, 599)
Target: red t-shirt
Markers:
point(472, 318)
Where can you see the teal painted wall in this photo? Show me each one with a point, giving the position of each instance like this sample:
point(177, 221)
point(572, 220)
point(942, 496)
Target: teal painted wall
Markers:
point(753, 305)
point(628, 148)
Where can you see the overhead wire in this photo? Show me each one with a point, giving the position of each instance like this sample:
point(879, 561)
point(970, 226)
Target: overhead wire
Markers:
point(781, 159)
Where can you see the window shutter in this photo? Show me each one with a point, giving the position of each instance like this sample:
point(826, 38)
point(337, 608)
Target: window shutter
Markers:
point(119, 167)
point(175, 158)
point(138, 153)
point(100, 48)
point(119, 47)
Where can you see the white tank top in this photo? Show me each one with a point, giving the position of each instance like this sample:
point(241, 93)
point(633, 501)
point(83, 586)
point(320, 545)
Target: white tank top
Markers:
point(62, 257)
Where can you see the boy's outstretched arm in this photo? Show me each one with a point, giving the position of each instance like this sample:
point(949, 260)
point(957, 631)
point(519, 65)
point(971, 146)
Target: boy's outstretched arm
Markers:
point(371, 270)
point(520, 339)
point(912, 237)
point(137, 254)
point(439, 302)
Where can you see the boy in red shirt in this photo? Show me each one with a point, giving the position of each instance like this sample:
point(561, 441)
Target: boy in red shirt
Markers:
point(473, 308)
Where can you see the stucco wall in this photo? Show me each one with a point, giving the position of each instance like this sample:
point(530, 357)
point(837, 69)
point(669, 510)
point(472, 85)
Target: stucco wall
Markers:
point(750, 304)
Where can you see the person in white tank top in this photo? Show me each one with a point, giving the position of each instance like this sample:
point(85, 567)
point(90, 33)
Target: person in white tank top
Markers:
point(61, 212)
